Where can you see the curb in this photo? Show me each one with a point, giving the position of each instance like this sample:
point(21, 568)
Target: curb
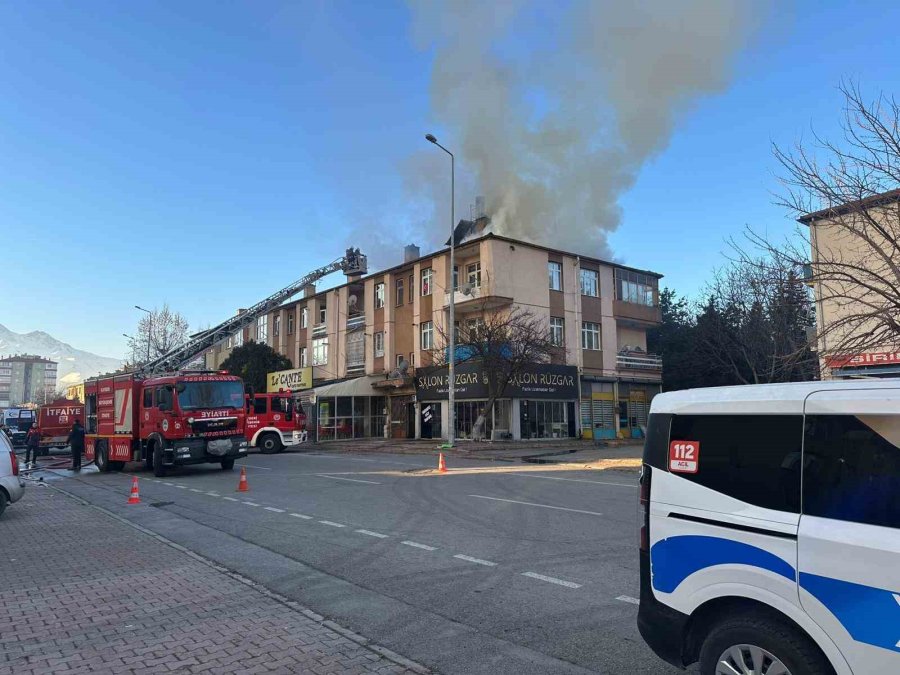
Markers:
point(384, 652)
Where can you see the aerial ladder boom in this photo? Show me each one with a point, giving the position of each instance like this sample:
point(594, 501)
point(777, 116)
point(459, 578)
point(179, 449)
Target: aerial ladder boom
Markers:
point(352, 263)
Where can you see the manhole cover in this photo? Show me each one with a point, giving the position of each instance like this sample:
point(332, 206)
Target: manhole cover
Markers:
point(160, 504)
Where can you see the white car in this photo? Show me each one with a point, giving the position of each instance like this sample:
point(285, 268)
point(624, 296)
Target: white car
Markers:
point(770, 541)
point(12, 487)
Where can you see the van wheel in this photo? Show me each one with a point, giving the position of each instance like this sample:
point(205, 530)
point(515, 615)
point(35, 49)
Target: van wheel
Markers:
point(269, 444)
point(3, 501)
point(758, 643)
point(158, 469)
point(228, 464)
point(101, 457)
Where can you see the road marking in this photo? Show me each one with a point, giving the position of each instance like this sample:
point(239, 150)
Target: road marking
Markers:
point(352, 480)
point(424, 547)
point(250, 503)
point(195, 490)
point(273, 509)
point(372, 534)
point(254, 466)
point(628, 598)
point(231, 499)
point(552, 580)
point(300, 515)
point(169, 484)
point(576, 480)
point(478, 561)
point(213, 494)
point(543, 506)
point(332, 524)
point(183, 487)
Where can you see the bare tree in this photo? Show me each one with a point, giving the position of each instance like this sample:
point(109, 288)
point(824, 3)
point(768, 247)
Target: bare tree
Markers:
point(163, 330)
point(505, 342)
point(845, 194)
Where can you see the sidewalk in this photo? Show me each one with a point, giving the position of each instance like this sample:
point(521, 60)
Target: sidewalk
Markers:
point(83, 592)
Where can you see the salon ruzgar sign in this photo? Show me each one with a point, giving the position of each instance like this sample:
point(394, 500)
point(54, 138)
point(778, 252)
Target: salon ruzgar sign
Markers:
point(538, 381)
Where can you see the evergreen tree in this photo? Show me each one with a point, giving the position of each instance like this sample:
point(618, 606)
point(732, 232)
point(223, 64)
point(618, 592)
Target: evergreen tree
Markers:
point(253, 361)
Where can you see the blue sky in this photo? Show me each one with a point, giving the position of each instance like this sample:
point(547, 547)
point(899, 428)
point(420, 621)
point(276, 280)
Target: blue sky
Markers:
point(206, 154)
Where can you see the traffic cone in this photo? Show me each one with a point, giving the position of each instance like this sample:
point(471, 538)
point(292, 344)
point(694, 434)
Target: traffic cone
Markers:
point(135, 497)
point(242, 483)
point(442, 466)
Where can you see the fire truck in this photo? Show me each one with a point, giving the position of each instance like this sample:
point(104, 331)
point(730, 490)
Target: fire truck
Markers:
point(274, 421)
point(166, 416)
point(55, 421)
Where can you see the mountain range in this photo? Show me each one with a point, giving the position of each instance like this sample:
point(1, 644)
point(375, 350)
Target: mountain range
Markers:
point(74, 364)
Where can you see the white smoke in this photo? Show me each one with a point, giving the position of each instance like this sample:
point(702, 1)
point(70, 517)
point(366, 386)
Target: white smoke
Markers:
point(554, 107)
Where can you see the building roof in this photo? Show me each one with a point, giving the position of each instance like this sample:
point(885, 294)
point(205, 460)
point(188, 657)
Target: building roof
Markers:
point(26, 358)
point(860, 204)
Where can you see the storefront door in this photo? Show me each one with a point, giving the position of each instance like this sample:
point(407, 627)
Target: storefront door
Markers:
point(431, 420)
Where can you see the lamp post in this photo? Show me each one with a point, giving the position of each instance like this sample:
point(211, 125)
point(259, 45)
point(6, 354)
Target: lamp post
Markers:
point(130, 337)
point(451, 390)
point(149, 328)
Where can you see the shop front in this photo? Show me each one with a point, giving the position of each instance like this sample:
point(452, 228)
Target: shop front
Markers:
point(349, 409)
point(539, 402)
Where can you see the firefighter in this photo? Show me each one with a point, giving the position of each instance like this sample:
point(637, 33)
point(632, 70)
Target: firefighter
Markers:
point(32, 443)
point(76, 442)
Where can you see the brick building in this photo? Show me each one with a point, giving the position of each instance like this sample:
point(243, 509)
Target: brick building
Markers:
point(365, 341)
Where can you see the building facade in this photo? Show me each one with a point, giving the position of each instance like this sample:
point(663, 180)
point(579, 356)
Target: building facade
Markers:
point(367, 340)
point(26, 379)
point(849, 278)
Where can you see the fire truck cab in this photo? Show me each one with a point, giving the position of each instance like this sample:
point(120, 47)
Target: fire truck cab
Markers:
point(274, 421)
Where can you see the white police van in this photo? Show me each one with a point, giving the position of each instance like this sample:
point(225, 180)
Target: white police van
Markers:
point(770, 541)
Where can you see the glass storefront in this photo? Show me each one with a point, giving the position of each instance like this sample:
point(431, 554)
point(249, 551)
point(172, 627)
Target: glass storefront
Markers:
point(346, 417)
point(546, 419)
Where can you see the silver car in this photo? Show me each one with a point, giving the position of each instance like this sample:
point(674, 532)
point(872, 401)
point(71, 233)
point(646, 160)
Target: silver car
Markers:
point(12, 486)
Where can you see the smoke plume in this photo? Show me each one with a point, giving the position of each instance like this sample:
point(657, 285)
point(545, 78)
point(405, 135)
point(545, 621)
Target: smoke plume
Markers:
point(554, 107)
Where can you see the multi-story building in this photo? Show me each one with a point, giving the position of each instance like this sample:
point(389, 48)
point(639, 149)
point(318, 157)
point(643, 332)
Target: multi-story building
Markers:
point(851, 284)
point(366, 340)
point(26, 379)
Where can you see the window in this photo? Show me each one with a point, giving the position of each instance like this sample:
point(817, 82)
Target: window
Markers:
point(473, 274)
point(379, 343)
point(427, 331)
point(379, 295)
point(320, 351)
point(412, 359)
point(259, 405)
point(590, 335)
point(557, 336)
point(290, 323)
point(851, 468)
point(753, 458)
point(262, 329)
point(148, 398)
point(399, 289)
point(555, 271)
point(474, 328)
point(455, 277)
point(304, 317)
point(303, 362)
point(400, 360)
point(229, 341)
point(426, 281)
point(323, 314)
point(239, 338)
point(635, 287)
point(276, 326)
point(412, 285)
point(589, 283)
point(165, 400)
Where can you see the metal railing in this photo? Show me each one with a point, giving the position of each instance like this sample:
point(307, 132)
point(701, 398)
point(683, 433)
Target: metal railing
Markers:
point(639, 361)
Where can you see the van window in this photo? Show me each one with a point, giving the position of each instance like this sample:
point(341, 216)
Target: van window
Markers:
point(656, 447)
point(754, 458)
point(852, 468)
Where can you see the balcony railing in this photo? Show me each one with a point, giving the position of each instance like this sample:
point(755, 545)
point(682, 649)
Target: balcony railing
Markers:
point(639, 361)
point(354, 322)
point(463, 294)
point(319, 330)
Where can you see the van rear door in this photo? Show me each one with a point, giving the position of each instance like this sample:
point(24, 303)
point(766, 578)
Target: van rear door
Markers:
point(849, 535)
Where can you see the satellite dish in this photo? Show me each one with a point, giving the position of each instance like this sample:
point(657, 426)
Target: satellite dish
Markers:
point(467, 289)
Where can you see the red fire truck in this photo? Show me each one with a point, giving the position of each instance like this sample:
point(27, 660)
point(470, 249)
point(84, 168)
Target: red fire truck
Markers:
point(55, 421)
point(167, 420)
point(274, 421)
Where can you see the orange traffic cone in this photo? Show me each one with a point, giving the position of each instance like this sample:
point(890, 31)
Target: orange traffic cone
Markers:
point(442, 466)
point(242, 484)
point(135, 497)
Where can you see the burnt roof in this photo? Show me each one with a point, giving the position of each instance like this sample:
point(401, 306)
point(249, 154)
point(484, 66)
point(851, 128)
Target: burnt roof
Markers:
point(850, 207)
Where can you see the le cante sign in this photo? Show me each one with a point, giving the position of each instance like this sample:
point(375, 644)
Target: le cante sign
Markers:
point(540, 381)
point(291, 380)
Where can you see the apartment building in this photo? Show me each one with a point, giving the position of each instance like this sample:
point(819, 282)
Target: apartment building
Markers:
point(369, 343)
point(25, 378)
point(852, 264)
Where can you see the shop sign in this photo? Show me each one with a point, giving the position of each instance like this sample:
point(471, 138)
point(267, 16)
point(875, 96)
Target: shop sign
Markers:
point(538, 381)
point(867, 359)
point(290, 380)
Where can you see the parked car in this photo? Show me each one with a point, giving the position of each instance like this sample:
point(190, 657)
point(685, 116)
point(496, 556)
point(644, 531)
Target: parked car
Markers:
point(12, 487)
point(770, 540)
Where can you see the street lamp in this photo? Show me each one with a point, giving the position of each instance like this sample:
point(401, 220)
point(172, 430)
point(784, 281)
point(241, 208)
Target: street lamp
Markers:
point(133, 357)
point(452, 385)
point(149, 328)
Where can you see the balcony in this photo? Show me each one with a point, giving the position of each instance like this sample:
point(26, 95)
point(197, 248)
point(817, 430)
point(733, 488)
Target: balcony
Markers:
point(638, 314)
point(320, 330)
point(807, 272)
point(469, 296)
point(639, 361)
point(355, 322)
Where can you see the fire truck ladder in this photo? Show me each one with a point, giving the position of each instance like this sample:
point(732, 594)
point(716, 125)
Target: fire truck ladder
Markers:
point(353, 262)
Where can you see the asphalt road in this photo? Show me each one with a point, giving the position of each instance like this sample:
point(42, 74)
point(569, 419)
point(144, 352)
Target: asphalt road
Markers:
point(486, 569)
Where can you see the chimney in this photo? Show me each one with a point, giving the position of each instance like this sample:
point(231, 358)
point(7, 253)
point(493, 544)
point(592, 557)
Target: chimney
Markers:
point(309, 290)
point(479, 208)
point(410, 253)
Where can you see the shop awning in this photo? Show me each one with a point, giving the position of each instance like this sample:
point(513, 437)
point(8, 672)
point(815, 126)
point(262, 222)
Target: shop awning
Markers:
point(360, 386)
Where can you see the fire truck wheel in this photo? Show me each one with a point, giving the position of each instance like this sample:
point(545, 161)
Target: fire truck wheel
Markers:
point(158, 469)
point(101, 457)
point(117, 466)
point(228, 464)
point(269, 444)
